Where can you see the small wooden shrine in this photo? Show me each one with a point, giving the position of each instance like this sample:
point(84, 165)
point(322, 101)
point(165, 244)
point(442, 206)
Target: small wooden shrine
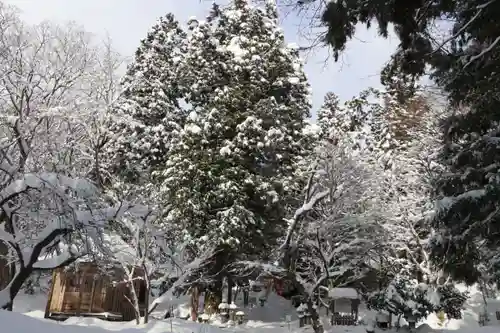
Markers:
point(87, 291)
point(344, 306)
point(383, 320)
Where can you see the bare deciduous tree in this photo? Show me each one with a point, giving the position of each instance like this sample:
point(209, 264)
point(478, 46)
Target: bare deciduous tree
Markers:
point(52, 82)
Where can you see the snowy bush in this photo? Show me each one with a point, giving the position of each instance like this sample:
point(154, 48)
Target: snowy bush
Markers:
point(407, 298)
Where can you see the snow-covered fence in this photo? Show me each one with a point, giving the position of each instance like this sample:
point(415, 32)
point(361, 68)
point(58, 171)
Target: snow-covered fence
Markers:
point(344, 319)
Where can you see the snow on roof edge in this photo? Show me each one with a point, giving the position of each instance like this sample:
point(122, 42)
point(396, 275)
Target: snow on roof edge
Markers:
point(337, 293)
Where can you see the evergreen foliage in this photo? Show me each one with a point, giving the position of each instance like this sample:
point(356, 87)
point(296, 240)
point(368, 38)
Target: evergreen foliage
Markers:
point(147, 112)
point(409, 299)
point(231, 171)
point(463, 64)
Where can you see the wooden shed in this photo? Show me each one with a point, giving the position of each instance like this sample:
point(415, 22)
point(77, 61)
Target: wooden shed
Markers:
point(88, 291)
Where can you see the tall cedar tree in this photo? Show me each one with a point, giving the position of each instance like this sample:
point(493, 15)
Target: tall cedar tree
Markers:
point(147, 112)
point(231, 171)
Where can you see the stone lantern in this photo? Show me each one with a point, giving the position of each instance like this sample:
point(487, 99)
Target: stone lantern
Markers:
point(301, 314)
point(224, 312)
point(412, 321)
point(383, 320)
point(483, 319)
point(205, 318)
point(240, 317)
point(307, 318)
point(232, 311)
point(223, 307)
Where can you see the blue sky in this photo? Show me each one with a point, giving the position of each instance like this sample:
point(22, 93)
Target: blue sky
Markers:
point(127, 21)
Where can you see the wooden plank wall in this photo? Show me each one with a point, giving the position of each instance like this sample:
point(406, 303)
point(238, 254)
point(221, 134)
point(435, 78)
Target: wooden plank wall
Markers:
point(86, 293)
point(79, 292)
point(57, 292)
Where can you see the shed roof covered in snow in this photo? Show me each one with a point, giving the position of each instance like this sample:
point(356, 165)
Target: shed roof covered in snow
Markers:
point(338, 293)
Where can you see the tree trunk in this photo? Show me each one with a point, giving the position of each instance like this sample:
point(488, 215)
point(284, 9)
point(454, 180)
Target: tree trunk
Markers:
point(213, 294)
point(135, 302)
point(229, 289)
point(213, 297)
point(148, 291)
point(194, 303)
point(236, 293)
point(484, 291)
point(317, 325)
point(16, 285)
point(269, 285)
point(9, 306)
point(25, 271)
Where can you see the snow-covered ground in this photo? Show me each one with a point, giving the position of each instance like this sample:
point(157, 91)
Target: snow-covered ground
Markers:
point(29, 310)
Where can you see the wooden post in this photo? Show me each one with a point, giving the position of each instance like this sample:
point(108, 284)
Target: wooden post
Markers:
point(92, 295)
point(79, 284)
point(246, 296)
point(355, 307)
point(63, 278)
point(332, 309)
point(51, 293)
point(194, 303)
point(301, 321)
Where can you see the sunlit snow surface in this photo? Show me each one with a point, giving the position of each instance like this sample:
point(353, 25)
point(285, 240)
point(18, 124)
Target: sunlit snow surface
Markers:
point(28, 317)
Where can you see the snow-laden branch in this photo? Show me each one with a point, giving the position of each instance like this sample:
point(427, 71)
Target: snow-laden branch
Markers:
point(75, 217)
point(299, 213)
point(192, 273)
point(483, 52)
point(73, 253)
point(6, 236)
point(46, 148)
point(462, 29)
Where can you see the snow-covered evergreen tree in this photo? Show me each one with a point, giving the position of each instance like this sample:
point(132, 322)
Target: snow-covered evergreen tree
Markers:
point(401, 135)
point(231, 170)
point(360, 121)
point(147, 112)
point(375, 119)
point(328, 115)
point(351, 120)
point(464, 65)
point(415, 285)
